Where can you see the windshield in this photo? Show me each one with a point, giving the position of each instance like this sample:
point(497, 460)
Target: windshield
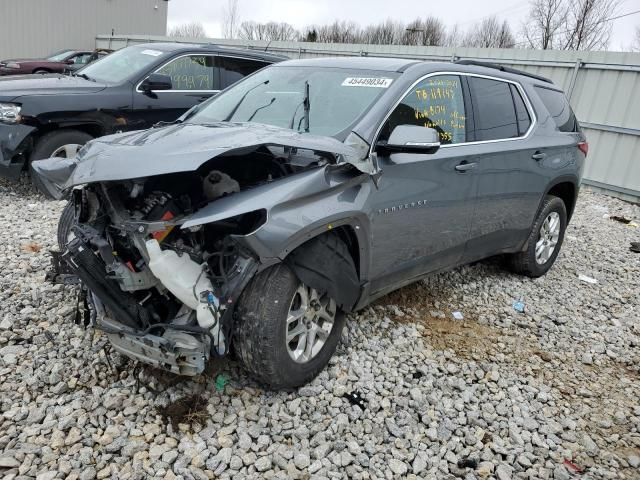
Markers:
point(276, 96)
point(120, 65)
point(59, 56)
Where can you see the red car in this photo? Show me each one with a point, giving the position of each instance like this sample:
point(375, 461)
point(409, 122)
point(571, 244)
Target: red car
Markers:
point(55, 63)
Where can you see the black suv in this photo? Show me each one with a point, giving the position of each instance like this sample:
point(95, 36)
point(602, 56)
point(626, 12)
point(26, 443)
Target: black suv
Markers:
point(305, 191)
point(131, 89)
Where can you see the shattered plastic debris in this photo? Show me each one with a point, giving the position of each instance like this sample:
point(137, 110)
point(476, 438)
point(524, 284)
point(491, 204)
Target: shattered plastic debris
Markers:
point(221, 381)
point(518, 306)
point(468, 463)
point(586, 279)
point(355, 398)
point(624, 220)
point(572, 466)
point(458, 315)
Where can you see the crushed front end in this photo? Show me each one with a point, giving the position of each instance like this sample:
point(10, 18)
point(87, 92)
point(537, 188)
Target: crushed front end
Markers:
point(162, 294)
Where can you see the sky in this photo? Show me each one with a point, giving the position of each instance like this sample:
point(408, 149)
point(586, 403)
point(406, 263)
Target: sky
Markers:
point(300, 13)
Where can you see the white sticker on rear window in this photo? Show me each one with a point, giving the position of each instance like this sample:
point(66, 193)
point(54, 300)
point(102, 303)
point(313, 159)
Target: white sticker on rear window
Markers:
point(153, 53)
point(367, 82)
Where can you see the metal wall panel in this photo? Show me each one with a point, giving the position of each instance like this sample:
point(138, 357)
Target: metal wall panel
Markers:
point(34, 28)
point(605, 93)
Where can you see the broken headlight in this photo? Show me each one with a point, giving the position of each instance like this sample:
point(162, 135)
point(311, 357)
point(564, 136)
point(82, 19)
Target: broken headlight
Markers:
point(9, 113)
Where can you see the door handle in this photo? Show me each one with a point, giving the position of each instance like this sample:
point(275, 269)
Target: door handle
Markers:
point(538, 156)
point(464, 166)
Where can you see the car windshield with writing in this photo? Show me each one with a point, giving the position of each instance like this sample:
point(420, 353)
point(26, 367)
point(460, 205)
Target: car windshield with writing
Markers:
point(121, 65)
point(277, 96)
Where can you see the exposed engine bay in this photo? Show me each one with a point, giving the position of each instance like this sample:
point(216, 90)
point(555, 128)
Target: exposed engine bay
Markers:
point(165, 294)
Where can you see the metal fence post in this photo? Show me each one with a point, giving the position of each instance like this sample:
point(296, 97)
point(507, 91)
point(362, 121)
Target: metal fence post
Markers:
point(574, 77)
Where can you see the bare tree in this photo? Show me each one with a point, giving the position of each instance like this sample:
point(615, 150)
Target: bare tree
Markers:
point(388, 32)
point(490, 33)
point(430, 31)
point(587, 26)
point(546, 19)
point(230, 19)
point(569, 24)
point(454, 37)
point(188, 30)
point(271, 31)
point(339, 32)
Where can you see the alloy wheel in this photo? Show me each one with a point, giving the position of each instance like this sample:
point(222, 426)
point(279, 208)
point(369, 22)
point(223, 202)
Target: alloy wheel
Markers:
point(309, 323)
point(66, 151)
point(548, 238)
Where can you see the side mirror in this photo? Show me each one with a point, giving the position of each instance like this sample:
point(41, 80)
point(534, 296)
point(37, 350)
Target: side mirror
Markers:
point(412, 139)
point(71, 61)
point(156, 81)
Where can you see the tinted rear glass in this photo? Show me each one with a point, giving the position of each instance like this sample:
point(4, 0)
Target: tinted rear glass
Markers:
point(524, 120)
point(493, 109)
point(234, 69)
point(559, 108)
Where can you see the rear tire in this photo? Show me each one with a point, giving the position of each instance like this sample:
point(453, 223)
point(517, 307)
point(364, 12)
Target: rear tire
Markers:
point(545, 240)
point(264, 328)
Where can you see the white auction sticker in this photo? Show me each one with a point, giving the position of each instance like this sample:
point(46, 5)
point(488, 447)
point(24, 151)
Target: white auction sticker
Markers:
point(153, 53)
point(367, 82)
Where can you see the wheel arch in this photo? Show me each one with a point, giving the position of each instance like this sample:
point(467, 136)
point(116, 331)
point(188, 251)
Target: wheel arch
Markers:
point(311, 262)
point(566, 188)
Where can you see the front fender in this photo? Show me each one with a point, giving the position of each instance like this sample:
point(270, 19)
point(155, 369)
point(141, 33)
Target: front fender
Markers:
point(293, 223)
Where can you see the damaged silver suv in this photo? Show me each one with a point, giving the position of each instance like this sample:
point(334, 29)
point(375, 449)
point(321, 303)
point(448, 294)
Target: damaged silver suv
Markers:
point(256, 220)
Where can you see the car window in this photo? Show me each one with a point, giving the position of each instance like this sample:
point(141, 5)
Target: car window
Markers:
point(233, 69)
point(81, 58)
point(128, 62)
point(59, 56)
point(338, 97)
point(191, 72)
point(522, 114)
point(436, 102)
point(493, 109)
point(559, 108)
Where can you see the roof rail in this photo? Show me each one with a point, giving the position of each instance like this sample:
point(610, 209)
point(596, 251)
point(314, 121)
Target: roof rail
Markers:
point(502, 68)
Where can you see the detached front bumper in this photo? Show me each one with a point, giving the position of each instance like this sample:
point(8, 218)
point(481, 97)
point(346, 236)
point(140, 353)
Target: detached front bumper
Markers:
point(15, 143)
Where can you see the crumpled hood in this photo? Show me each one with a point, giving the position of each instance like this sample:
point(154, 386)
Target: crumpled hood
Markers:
point(171, 149)
point(12, 87)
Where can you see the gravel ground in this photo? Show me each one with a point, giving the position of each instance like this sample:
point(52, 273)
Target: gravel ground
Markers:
point(547, 393)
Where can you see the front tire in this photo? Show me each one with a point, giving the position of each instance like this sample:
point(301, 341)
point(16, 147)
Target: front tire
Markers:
point(59, 144)
point(65, 224)
point(545, 240)
point(285, 332)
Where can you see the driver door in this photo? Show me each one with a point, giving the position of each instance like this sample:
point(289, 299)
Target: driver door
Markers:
point(422, 210)
point(194, 78)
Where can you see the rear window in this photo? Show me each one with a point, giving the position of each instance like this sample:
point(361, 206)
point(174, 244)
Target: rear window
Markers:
point(493, 109)
point(234, 69)
point(559, 109)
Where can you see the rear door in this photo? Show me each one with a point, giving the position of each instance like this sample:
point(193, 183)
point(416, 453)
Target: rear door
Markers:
point(194, 77)
point(509, 177)
point(421, 210)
